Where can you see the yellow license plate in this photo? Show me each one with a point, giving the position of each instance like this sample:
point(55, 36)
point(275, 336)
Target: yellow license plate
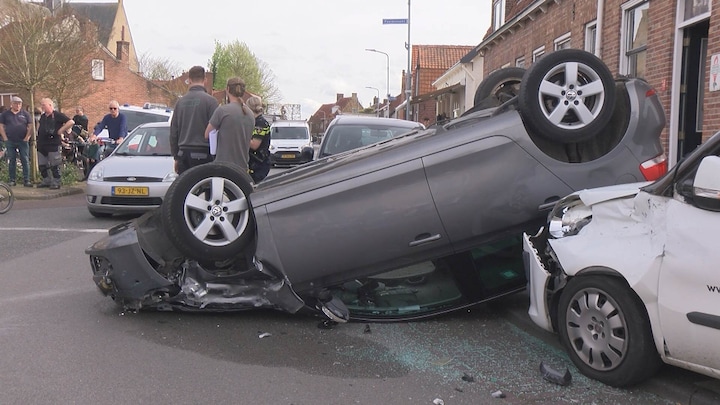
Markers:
point(130, 191)
point(287, 156)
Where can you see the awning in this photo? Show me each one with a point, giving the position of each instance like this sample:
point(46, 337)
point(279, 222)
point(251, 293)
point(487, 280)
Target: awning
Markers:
point(436, 93)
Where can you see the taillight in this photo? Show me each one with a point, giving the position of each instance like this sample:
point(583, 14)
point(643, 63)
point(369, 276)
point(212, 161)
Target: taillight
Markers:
point(654, 168)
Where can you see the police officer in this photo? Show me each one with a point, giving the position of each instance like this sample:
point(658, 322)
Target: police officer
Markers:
point(259, 162)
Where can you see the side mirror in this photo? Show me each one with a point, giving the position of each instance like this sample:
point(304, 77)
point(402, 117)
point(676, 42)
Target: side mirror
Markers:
point(706, 186)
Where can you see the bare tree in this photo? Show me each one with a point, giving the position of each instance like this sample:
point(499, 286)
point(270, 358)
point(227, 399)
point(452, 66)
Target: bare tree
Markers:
point(42, 52)
point(156, 68)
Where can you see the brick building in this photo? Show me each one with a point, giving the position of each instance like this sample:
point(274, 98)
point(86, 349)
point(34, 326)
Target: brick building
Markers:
point(673, 44)
point(428, 62)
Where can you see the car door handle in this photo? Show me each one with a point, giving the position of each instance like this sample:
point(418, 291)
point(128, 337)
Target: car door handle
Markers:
point(424, 238)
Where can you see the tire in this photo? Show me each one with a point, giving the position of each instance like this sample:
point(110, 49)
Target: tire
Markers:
point(206, 213)
point(99, 214)
point(7, 198)
point(567, 96)
point(502, 84)
point(606, 331)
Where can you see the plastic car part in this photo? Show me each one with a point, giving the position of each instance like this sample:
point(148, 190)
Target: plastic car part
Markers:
point(206, 213)
point(502, 85)
point(606, 330)
point(554, 376)
point(567, 96)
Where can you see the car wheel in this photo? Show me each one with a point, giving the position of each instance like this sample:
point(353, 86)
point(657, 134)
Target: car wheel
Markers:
point(567, 96)
point(206, 213)
point(502, 84)
point(97, 214)
point(606, 331)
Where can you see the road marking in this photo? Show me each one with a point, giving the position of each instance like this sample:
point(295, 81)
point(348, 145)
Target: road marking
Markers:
point(54, 229)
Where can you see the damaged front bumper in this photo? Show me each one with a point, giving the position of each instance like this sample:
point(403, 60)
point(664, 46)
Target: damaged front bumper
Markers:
point(538, 284)
point(138, 268)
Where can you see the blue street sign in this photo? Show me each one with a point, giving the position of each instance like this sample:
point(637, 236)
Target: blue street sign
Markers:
point(395, 21)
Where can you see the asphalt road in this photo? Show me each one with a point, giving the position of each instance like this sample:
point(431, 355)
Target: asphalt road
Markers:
point(63, 342)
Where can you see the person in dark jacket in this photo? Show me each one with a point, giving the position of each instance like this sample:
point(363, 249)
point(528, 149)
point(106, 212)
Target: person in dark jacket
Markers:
point(15, 130)
point(190, 119)
point(259, 162)
point(52, 128)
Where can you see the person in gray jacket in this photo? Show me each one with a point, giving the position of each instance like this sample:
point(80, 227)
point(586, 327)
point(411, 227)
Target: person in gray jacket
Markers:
point(187, 126)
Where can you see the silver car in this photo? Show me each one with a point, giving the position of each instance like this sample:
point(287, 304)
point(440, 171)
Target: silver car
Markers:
point(347, 132)
point(420, 224)
point(136, 176)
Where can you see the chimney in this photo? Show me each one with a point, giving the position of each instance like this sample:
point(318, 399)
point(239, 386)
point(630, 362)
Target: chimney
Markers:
point(123, 51)
point(340, 96)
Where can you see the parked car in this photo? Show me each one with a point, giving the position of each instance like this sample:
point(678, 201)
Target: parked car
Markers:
point(290, 143)
point(627, 275)
point(136, 176)
point(347, 132)
point(412, 226)
point(136, 115)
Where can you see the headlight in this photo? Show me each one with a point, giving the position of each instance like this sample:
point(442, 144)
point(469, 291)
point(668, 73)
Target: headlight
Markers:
point(96, 174)
point(170, 177)
point(568, 217)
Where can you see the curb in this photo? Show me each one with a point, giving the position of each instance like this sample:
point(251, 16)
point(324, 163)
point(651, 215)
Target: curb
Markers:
point(34, 193)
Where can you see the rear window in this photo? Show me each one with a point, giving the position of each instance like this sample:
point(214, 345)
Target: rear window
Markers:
point(289, 133)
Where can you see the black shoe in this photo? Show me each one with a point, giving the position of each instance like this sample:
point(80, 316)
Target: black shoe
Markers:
point(54, 187)
point(43, 185)
point(12, 184)
point(27, 184)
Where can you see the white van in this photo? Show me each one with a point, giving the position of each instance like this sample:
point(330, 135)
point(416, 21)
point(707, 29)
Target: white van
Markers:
point(290, 143)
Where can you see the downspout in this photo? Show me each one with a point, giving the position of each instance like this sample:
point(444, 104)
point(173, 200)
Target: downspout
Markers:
point(599, 27)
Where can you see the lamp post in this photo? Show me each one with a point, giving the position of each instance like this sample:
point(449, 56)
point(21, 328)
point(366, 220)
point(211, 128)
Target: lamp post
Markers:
point(388, 76)
point(377, 105)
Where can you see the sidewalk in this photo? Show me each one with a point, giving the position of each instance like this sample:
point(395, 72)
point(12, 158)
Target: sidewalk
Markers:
point(34, 193)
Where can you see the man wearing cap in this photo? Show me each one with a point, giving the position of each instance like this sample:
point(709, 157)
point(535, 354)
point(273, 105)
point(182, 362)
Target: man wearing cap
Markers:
point(15, 130)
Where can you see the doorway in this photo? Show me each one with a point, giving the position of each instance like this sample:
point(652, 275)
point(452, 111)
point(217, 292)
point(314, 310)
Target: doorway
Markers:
point(692, 85)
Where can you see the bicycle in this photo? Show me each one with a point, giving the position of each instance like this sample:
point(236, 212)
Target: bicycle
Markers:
point(7, 198)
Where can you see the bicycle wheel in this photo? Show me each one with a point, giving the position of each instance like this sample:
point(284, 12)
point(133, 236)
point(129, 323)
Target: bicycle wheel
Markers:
point(6, 198)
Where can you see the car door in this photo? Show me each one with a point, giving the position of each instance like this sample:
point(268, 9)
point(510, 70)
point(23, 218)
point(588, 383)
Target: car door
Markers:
point(689, 286)
point(363, 225)
point(487, 186)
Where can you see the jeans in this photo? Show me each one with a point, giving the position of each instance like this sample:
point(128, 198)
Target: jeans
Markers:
point(13, 147)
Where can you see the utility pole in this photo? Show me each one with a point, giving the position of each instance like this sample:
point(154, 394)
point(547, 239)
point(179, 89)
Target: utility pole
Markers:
point(408, 81)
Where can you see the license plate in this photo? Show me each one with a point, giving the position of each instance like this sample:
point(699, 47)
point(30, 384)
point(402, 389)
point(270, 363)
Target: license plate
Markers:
point(130, 191)
point(287, 156)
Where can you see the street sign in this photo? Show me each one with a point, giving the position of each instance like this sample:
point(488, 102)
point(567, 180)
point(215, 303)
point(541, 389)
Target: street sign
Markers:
point(395, 20)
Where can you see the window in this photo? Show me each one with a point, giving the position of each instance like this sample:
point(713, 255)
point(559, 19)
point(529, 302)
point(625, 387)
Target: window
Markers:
point(538, 53)
point(498, 14)
point(591, 36)
point(695, 8)
point(562, 42)
point(98, 69)
point(520, 62)
point(634, 45)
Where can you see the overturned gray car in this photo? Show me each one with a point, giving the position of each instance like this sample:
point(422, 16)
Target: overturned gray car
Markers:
point(414, 226)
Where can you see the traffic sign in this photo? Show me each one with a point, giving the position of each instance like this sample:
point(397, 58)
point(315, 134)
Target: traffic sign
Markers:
point(395, 20)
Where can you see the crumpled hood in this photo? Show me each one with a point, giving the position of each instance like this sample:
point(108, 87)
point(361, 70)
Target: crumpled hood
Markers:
point(601, 194)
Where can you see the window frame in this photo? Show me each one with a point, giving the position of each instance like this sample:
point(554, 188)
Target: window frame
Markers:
point(591, 36)
point(538, 53)
point(626, 35)
point(97, 69)
point(561, 41)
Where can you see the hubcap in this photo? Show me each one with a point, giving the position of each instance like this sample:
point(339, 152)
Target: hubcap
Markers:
point(216, 211)
point(597, 329)
point(571, 95)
